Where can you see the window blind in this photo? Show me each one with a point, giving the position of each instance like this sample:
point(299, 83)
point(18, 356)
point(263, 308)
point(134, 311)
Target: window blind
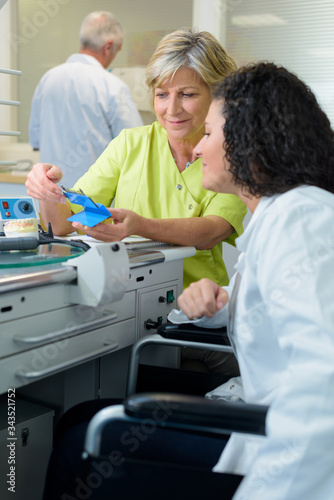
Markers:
point(297, 34)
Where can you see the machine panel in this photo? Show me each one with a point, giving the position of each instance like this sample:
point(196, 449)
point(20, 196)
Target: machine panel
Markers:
point(17, 208)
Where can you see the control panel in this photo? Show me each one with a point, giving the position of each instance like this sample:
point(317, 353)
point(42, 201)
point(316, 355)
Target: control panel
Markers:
point(154, 306)
point(17, 208)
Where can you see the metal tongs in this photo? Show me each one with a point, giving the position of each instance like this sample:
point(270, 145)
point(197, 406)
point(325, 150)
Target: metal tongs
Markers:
point(66, 191)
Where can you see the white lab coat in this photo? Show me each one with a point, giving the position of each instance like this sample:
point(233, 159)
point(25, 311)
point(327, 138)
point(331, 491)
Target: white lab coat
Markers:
point(284, 340)
point(77, 109)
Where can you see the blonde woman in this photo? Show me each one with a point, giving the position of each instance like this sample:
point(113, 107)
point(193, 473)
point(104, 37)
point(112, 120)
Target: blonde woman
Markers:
point(154, 176)
point(152, 172)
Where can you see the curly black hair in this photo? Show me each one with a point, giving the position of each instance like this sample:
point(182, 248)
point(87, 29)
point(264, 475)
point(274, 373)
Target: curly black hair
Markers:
point(276, 135)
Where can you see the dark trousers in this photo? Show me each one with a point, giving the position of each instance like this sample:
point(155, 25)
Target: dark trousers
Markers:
point(136, 462)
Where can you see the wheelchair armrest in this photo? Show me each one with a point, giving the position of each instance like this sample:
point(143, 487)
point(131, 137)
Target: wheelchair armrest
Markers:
point(183, 335)
point(194, 412)
point(177, 411)
point(190, 332)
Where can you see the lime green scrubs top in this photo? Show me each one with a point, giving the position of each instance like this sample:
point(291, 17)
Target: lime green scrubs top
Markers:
point(138, 170)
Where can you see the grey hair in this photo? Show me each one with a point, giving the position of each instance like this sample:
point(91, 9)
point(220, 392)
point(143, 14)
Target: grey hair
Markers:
point(98, 28)
point(191, 48)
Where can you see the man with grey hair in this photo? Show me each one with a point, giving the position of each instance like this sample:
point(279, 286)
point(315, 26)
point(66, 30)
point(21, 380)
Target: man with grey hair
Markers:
point(78, 107)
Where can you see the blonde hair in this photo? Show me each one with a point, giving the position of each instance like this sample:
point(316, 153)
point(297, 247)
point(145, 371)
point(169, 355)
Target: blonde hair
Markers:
point(98, 28)
point(189, 48)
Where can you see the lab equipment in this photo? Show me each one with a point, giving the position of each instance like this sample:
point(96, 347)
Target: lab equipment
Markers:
point(13, 208)
point(61, 308)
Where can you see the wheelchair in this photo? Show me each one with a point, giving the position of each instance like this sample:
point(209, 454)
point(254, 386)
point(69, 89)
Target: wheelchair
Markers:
point(128, 478)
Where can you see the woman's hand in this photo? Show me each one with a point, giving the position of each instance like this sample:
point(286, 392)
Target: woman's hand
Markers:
point(203, 298)
point(42, 183)
point(126, 223)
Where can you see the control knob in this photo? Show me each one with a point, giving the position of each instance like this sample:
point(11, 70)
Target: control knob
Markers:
point(26, 207)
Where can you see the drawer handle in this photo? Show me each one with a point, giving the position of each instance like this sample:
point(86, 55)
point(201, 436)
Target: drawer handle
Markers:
point(34, 375)
point(65, 332)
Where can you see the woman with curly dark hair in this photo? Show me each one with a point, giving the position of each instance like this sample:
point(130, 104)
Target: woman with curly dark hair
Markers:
point(276, 135)
point(268, 141)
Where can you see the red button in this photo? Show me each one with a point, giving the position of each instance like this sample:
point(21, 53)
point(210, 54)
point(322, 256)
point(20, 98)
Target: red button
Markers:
point(7, 214)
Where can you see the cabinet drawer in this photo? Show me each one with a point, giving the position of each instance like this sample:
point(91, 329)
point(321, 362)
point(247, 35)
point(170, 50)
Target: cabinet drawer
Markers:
point(36, 330)
point(36, 364)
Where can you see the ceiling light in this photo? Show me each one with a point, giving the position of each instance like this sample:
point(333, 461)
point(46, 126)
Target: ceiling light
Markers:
point(257, 20)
